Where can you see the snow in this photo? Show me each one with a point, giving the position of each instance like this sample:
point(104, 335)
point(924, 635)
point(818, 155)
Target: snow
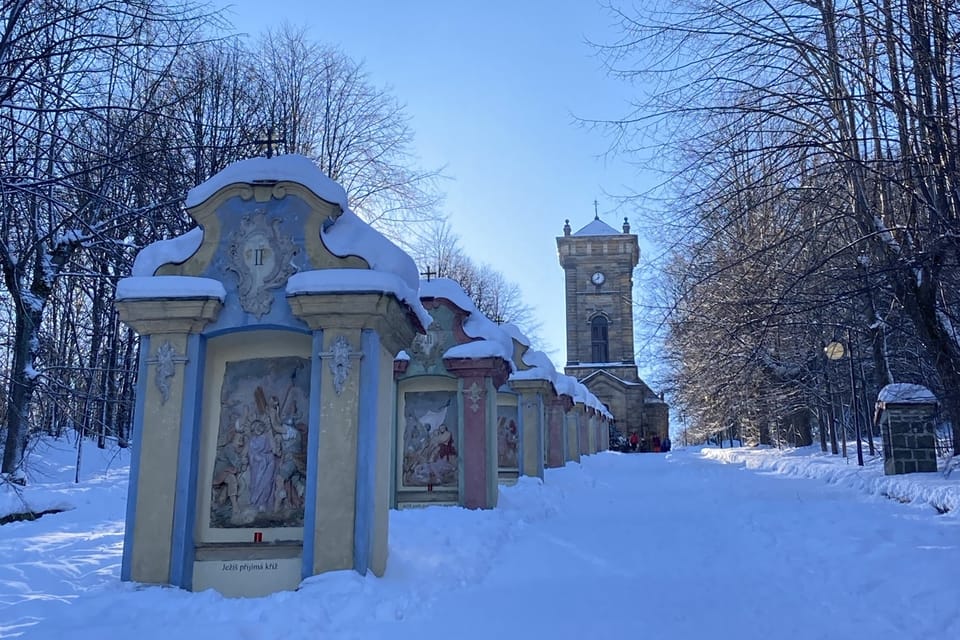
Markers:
point(478, 349)
point(136, 287)
point(515, 333)
point(293, 168)
point(351, 236)
point(718, 543)
point(476, 325)
point(904, 393)
point(357, 280)
point(347, 235)
point(172, 251)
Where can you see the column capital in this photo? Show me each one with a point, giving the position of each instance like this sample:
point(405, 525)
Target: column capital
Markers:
point(151, 316)
point(533, 385)
point(493, 367)
point(383, 312)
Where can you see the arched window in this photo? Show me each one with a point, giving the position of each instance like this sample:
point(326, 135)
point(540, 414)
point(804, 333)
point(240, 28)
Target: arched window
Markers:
point(598, 340)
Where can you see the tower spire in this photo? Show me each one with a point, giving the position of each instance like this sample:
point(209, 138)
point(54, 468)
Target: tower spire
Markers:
point(596, 213)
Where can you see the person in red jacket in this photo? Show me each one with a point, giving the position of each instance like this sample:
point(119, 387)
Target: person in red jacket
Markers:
point(634, 441)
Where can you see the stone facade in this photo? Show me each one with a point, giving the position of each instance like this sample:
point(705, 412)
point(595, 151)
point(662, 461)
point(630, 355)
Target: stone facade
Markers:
point(598, 263)
point(909, 442)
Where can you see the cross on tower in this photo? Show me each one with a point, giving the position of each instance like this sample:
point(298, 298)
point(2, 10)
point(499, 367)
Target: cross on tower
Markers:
point(498, 319)
point(270, 141)
point(429, 273)
point(596, 213)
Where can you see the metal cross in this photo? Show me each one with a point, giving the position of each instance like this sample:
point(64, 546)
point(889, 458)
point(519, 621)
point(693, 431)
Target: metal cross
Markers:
point(596, 214)
point(270, 141)
point(429, 273)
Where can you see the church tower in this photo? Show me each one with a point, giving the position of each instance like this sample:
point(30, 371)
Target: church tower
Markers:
point(598, 263)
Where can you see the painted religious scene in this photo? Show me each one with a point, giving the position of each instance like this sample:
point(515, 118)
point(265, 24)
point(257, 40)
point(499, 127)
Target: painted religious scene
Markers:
point(429, 444)
point(259, 474)
point(508, 437)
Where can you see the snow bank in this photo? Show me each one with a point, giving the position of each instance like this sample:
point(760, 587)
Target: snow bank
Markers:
point(931, 489)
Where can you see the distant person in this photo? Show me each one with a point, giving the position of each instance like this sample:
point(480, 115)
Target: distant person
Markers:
point(656, 444)
point(665, 445)
point(634, 441)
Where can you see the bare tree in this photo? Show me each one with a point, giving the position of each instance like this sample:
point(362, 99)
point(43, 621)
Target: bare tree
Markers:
point(67, 69)
point(322, 105)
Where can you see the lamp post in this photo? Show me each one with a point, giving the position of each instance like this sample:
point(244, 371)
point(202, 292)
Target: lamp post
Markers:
point(835, 351)
point(853, 400)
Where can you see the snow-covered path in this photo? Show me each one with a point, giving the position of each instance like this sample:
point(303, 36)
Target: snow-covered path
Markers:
point(622, 546)
point(679, 547)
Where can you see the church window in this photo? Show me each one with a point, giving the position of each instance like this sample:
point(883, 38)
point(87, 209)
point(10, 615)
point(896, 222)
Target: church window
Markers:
point(598, 340)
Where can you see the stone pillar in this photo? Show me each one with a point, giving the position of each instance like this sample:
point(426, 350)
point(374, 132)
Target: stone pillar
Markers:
point(532, 408)
point(356, 336)
point(479, 379)
point(591, 420)
point(909, 437)
point(572, 433)
point(583, 428)
point(557, 407)
point(165, 421)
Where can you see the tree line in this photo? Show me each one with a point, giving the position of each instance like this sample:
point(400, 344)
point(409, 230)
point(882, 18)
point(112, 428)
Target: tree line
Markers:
point(109, 113)
point(812, 154)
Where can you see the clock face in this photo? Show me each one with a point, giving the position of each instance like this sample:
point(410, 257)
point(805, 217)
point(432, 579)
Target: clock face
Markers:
point(597, 278)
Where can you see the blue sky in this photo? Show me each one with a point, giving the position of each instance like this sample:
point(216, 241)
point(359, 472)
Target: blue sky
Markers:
point(492, 89)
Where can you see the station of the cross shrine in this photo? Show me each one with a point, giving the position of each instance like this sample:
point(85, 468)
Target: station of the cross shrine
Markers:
point(598, 263)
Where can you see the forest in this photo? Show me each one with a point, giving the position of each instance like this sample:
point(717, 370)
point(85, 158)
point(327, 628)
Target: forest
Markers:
point(110, 112)
point(810, 158)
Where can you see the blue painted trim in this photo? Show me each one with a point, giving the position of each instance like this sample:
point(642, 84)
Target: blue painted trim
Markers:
point(135, 453)
point(365, 500)
point(394, 442)
point(313, 455)
point(188, 468)
point(255, 327)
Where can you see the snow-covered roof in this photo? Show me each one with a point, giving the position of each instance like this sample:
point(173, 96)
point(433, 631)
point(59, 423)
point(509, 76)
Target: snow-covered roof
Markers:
point(597, 227)
point(136, 287)
point(565, 385)
point(357, 281)
point(541, 367)
point(905, 393)
point(291, 168)
point(161, 252)
point(514, 332)
point(348, 235)
point(476, 324)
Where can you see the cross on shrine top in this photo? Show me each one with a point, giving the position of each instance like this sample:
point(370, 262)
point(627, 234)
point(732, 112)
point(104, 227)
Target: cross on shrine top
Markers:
point(270, 141)
point(429, 273)
point(596, 213)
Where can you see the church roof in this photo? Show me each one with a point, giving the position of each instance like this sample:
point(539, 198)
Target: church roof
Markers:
point(597, 228)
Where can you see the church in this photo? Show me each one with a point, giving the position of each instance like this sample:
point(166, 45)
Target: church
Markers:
point(598, 263)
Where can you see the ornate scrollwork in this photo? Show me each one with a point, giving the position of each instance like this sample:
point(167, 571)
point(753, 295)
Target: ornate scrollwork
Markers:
point(262, 259)
point(340, 352)
point(475, 395)
point(166, 367)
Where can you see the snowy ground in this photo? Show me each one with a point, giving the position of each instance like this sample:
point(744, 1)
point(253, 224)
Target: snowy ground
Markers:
point(719, 543)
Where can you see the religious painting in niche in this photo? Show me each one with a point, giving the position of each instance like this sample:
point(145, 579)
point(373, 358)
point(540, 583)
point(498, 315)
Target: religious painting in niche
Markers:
point(507, 437)
point(430, 439)
point(260, 469)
